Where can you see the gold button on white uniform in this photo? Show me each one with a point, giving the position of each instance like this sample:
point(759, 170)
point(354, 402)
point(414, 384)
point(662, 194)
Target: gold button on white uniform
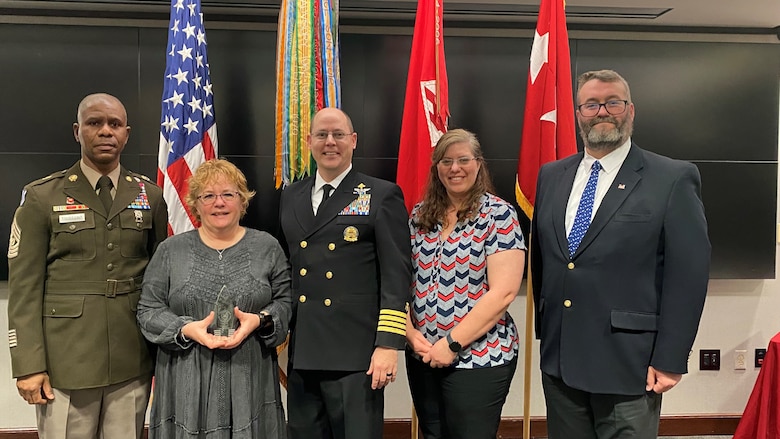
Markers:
point(329, 274)
point(304, 244)
point(302, 298)
point(567, 303)
point(327, 302)
point(331, 246)
point(303, 272)
point(571, 265)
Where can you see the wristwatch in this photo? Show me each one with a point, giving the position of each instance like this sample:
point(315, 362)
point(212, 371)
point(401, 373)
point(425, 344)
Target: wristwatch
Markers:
point(454, 345)
point(266, 323)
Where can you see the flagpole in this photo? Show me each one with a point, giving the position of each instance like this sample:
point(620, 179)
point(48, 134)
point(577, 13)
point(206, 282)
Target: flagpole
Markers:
point(415, 424)
point(529, 318)
point(436, 36)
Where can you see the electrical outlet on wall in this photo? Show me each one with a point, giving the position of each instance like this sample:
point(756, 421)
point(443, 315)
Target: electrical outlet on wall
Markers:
point(709, 359)
point(760, 352)
point(740, 359)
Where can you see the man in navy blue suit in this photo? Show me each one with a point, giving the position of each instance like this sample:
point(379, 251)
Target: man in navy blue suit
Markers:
point(620, 263)
point(350, 252)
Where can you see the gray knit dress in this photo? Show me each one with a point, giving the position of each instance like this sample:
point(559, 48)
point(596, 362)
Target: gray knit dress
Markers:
point(215, 394)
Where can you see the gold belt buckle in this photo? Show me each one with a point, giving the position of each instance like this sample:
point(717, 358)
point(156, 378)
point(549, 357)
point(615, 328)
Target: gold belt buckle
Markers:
point(111, 286)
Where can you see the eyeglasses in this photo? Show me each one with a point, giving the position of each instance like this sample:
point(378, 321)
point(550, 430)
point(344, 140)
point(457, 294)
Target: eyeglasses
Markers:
point(461, 161)
point(613, 107)
point(337, 135)
point(209, 199)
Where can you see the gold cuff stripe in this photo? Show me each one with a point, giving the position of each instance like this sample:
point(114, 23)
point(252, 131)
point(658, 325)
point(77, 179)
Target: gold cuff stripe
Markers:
point(393, 319)
point(392, 312)
point(393, 325)
point(401, 332)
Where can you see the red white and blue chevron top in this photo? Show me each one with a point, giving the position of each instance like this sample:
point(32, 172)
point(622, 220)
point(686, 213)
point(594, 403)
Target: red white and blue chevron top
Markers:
point(450, 276)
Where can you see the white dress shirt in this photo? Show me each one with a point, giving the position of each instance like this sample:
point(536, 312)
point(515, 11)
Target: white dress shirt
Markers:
point(610, 165)
point(319, 182)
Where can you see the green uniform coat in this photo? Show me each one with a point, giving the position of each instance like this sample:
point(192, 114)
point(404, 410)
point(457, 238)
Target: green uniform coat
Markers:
point(75, 275)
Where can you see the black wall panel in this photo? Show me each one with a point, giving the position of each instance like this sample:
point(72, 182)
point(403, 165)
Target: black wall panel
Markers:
point(715, 104)
point(739, 201)
point(696, 101)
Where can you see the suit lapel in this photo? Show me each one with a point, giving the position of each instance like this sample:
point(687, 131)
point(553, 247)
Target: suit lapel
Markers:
point(77, 186)
point(302, 205)
point(625, 182)
point(561, 198)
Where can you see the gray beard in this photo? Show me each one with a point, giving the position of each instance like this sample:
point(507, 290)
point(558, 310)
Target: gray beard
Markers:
point(606, 141)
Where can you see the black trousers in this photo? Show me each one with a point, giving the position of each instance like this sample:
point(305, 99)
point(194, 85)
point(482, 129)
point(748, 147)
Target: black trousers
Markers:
point(458, 403)
point(333, 405)
point(572, 413)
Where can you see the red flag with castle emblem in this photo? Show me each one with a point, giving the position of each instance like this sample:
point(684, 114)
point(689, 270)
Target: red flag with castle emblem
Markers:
point(548, 123)
point(426, 108)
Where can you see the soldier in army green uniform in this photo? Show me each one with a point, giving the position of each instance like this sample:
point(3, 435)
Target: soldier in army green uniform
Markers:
point(80, 242)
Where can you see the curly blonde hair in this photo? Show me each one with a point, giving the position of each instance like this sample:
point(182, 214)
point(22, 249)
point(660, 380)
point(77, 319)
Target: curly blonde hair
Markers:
point(433, 209)
point(209, 173)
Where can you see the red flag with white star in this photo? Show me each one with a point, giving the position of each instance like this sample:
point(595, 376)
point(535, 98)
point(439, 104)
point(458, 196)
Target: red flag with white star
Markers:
point(548, 122)
point(426, 107)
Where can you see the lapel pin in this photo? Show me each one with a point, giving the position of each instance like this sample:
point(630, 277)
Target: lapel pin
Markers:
point(621, 186)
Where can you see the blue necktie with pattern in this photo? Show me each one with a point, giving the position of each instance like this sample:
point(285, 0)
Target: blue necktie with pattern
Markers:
point(584, 210)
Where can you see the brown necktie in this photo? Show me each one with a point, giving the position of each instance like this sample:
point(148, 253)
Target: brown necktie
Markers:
point(104, 186)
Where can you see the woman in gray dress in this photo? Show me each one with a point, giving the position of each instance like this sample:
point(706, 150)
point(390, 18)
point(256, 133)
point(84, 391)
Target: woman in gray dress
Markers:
point(217, 302)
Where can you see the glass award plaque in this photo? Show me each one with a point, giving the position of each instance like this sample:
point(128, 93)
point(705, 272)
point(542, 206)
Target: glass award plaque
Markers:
point(224, 324)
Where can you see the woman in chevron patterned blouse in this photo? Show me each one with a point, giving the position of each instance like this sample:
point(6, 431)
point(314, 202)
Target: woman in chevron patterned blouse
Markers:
point(468, 254)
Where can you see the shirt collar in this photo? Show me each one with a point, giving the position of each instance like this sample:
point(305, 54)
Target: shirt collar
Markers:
point(610, 162)
point(93, 176)
point(319, 181)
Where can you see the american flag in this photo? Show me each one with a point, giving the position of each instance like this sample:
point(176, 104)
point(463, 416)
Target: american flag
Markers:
point(188, 128)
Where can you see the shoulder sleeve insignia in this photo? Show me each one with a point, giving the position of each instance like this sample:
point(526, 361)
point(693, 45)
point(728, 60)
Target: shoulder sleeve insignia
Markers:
point(13, 242)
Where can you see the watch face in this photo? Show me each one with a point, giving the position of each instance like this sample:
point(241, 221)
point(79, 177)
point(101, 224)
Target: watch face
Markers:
point(454, 345)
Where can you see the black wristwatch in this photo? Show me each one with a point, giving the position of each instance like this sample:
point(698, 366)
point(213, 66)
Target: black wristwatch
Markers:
point(454, 345)
point(266, 323)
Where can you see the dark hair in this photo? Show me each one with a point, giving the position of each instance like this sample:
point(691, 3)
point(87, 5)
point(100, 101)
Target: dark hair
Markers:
point(435, 202)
